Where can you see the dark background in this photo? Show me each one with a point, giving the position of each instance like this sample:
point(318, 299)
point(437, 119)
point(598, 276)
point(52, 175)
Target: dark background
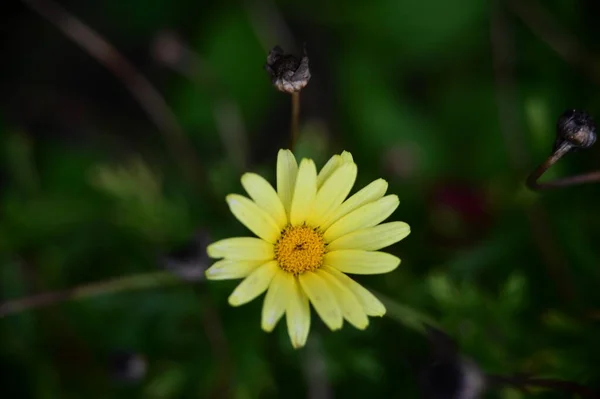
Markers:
point(452, 102)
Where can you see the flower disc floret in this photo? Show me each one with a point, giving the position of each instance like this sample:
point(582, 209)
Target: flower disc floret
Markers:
point(300, 249)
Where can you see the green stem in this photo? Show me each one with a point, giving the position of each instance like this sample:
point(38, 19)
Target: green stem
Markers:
point(406, 315)
point(128, 283)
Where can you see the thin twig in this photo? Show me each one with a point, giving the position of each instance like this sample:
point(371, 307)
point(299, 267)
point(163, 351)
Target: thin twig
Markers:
point(210, 318)
point(502, 54)
point(503, 59)
point(532, 179)
point(269, 24)
point(569, 48)
point(128, 283)
point(522, 382)
point(564, 43)
point(213, 327)
point(139, 86)
point(181, 149)
point(175, 54)
point(295, 124)
point(550, 250)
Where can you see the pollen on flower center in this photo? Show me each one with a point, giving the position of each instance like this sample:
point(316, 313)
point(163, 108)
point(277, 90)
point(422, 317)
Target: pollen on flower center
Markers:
point(300, 249)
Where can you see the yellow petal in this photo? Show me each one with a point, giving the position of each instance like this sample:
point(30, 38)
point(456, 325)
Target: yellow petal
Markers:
point(255, 219)
point(227, 269)
point(372, 238)
point(241, 248)
point(361, 262)
point(304, 192)
point(265, 196)
point(372, 192)
point(280, 291)
point(322, 299)
point(366, 216)
point(347, 157)
point(298, 316)
point(352, 310)
point(255, 284)
point(371, 305)
point(333, 192)
point(287, 169)
point(331, 165)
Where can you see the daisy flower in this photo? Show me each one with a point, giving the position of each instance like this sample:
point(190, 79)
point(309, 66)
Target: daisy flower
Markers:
point(309, 236)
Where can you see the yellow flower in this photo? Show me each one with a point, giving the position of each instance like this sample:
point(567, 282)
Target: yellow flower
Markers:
point(309, 236)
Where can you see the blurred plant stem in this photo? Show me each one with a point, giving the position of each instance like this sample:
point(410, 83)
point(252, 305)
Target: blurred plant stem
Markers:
point(172, 52)
point(541, 22)
point(215, 333)
point(148, 97)
point(295, 124)
point(503, 56)
point(210, 318)
point(524, 382)
point(406, 315)
point(502, 39)
point(128, 283)
point(269, 23)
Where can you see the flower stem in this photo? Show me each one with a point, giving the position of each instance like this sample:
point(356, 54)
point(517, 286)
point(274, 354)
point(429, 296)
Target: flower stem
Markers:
point(128, 283)
point(409, 317)
point(295, 124)
point(532, 179)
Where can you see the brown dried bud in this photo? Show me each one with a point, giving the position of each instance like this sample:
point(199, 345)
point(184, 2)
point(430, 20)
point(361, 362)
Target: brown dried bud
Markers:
point(575, 128)
point(288, 73)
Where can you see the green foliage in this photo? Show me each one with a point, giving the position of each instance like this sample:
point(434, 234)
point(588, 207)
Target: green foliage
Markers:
point(412, 88)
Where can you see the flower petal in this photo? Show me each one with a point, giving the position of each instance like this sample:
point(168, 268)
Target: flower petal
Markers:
point(366, 216)
point(255, 219)
point(322, 299)
point(280, 291)
point(241, 248)
point(287, 169)
point(370, 303)
point(298, 316)
point(253, 285)
point(331, 165)
point(333, 192)
point(347, 157)
point(372, 238)
point(351, 308)
point(361, 262)
point(372, 192)
point(227, 269)
point(265, 196)
point(304, 192)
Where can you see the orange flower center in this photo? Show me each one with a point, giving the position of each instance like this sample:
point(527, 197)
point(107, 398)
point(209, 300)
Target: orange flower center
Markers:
point(300, 249)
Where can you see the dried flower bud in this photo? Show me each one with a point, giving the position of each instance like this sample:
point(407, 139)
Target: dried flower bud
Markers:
point(575, 128)
point(288, 73)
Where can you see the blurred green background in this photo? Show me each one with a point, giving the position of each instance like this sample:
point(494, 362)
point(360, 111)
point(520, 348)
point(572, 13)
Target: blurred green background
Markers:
point(452, 102)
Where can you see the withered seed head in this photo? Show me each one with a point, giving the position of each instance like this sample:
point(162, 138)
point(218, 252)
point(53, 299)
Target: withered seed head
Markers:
point(288, 73)
point(575, 128)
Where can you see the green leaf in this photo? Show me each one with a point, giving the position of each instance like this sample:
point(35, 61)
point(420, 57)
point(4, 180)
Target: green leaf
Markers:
point(442, 290)
point(513, 292)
